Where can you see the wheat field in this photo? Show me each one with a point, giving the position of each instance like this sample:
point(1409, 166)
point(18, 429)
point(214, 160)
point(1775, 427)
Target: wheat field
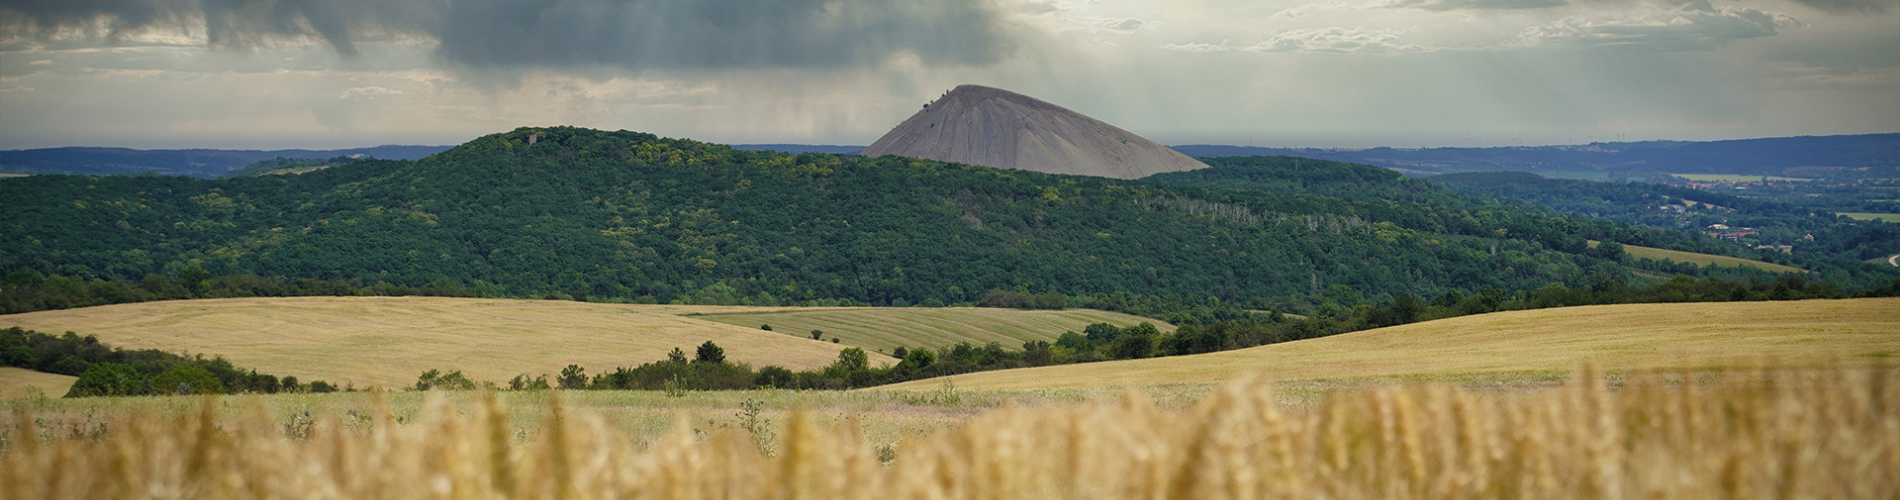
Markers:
point(387, 341)
point(883, 329)
point(1534, 343)
point(1789, 433)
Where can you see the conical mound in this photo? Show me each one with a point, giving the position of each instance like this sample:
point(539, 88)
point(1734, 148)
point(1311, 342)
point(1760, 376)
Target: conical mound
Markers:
point(997, 128)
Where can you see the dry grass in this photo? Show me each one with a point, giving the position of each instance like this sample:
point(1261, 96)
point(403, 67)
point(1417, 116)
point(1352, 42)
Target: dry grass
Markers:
point(1871, 216)
point(387, 341)
point(1826, 433)
point(1701, 259)
point(21, 382)
point(1545, 341)
point(883, 329)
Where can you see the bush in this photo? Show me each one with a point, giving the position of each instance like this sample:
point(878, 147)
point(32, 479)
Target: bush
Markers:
point(109, 379)
point(187, 379)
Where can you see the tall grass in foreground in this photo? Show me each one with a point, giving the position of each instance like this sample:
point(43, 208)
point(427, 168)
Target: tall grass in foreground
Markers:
point(1831, 433)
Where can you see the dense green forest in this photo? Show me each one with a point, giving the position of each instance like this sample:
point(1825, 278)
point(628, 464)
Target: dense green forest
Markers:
point(622, 216)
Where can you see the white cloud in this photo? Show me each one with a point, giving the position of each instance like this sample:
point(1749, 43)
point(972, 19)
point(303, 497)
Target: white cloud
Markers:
point(1335, 40)
point(1697, 26)
point(367, 93)
point(1122, 25)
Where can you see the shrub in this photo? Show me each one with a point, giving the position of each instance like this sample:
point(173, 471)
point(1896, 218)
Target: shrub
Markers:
point(188, 379)
point(109, 379)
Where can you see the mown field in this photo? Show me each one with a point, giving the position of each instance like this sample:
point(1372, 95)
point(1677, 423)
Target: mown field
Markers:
point(1701, 259)
point(388, 341)
point(1536, 344)
point(21, 382)
point(1871, 216)
point(885, 329)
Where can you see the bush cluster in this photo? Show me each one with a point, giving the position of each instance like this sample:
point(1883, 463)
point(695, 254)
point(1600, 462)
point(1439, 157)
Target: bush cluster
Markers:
point(107, 371)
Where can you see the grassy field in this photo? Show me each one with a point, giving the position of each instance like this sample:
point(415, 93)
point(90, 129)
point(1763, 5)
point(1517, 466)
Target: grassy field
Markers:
point(387, 341)
point(886, 328)
point(20, 383)
point(1825, 433)
point(1871, 216)
point(1700, 259)
point(1534, 343)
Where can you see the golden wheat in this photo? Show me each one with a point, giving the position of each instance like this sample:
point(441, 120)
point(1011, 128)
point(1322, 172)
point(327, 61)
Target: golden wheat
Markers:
point(1789, 433)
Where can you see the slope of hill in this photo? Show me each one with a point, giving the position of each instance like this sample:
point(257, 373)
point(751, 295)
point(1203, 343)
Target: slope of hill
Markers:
point(21, 382)
point(565, 212)
point(388, 341)
point(885, 329)
point(997, 128)
point(204, 163)
point(1614, 337)
point(1701, 259)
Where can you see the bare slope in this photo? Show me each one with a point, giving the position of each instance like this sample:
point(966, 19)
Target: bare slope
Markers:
point(1701, 259)
point(997, 128)
point(883, 329)
point(387, 341)
point(1615, 337)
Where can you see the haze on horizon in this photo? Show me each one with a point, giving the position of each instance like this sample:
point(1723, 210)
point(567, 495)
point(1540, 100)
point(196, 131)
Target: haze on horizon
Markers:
point(272, 74)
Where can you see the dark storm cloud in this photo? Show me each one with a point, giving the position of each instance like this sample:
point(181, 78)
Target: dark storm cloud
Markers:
point(633, 34)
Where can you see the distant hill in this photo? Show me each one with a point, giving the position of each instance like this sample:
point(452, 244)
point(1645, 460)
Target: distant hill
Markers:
point(569, 212)
point(800, 148)
point(1521, 343)
point(202, 163)
point(997, 128)
point(1771, 156)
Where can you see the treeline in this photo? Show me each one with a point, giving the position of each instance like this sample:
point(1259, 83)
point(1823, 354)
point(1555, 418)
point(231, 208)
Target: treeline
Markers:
point(709, 370)
point(104, 370)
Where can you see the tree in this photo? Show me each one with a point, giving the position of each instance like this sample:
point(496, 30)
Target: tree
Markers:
point(710, 353)
point(817, 334)
point(776, 376)
point(573, 377)
point(108, 379)
point(1133, 346)
point(677, 356)
point(919, 358)
point(1037, 353)
point(851, 360)
point(188, 379)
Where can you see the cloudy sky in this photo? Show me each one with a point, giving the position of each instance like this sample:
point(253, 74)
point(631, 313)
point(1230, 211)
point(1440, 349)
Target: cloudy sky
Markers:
point(1327, 73)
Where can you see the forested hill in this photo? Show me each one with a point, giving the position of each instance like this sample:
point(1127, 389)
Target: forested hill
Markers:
point(572, 212)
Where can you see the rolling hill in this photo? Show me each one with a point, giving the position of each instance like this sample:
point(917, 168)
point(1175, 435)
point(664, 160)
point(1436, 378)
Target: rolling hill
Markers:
point(1701, 259)
point(1614, 337)
point(387, 341)
point(886, 328)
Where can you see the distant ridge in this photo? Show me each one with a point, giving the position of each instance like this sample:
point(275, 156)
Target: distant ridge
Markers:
point(203, 163)
point(997, 128)
point(800, 148)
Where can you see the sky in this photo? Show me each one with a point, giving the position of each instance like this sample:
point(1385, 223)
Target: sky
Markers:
point(322, 74)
